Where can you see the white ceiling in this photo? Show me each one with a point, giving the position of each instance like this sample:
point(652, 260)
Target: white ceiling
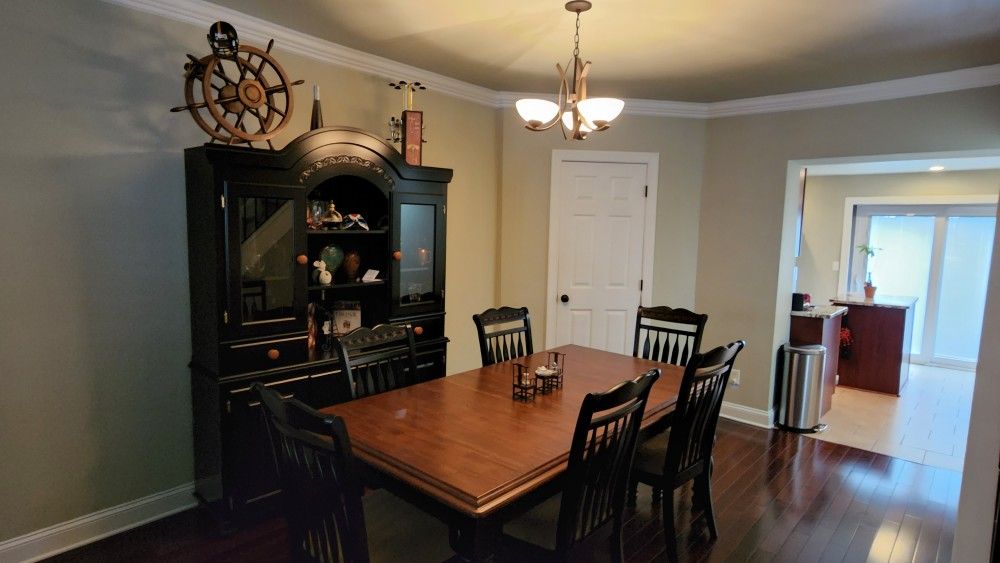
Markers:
point(684, 50)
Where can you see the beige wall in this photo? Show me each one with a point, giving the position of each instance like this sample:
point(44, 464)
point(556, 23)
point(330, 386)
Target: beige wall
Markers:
point(823, 215)
point(748, 211)
point(95, 405)
point(527, 163)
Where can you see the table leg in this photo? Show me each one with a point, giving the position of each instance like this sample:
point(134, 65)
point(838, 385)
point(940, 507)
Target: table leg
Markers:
point(475, 539)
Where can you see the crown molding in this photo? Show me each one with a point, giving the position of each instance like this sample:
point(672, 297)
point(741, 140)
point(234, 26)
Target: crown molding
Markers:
point(202, 13)
point(963, 79)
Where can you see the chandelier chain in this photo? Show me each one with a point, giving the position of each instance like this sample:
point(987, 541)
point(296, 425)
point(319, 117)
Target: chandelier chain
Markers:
point(576, 38)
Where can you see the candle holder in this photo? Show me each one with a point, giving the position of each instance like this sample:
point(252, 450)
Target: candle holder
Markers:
point(524, 383)
point(551, 374)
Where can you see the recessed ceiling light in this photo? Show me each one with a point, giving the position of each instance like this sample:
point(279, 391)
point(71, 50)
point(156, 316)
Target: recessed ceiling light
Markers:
point(936, 168)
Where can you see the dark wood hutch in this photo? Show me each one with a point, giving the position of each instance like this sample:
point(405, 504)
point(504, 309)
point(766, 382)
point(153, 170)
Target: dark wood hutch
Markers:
point(250, 255)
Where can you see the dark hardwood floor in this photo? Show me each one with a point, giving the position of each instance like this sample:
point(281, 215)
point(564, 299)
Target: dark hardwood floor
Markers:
point(778, 497)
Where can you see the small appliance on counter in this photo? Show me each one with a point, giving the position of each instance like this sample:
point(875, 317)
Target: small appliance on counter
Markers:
point(798, 301)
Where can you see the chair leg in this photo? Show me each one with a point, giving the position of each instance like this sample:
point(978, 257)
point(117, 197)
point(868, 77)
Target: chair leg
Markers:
point(632, 498)
point(703, 491)
point(669, 529)
point(617, 551)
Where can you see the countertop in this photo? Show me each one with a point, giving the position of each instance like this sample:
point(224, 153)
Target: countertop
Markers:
point(821, 312)
point(891, 301)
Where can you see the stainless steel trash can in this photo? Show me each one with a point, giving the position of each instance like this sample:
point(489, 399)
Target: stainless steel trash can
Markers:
point(802, 388)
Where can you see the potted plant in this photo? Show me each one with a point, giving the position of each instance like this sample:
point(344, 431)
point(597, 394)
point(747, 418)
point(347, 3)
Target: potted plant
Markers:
point(869, 251)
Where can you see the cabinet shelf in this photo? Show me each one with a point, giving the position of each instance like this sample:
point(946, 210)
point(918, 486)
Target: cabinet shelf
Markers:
point(345, 285)
point(347, 232)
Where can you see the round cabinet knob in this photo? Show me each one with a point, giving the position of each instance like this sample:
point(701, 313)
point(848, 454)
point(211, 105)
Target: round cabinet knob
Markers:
point(397, 256)
point(418, 330)
point(302, 259)
point(564, 298)
point(273, 354)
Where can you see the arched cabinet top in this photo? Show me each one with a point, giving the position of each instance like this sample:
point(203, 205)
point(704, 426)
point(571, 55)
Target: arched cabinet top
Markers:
point(318, 155)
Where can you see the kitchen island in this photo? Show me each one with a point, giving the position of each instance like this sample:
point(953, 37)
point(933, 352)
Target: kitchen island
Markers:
point(878, 357)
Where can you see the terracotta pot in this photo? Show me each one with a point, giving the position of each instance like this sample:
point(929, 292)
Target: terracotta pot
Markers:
point(870, 291)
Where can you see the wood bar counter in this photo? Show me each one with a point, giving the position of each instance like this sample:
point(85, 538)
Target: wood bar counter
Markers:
point(821, 325)
point(879, 357)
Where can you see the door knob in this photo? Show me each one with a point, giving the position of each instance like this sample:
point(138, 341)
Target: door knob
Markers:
point(564, 298)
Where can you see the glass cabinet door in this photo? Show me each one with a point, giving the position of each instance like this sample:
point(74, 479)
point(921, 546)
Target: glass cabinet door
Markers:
point(266, 285)
point(419, 285)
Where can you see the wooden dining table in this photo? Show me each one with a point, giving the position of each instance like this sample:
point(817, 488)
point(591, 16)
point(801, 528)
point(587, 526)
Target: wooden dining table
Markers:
point(461, 448)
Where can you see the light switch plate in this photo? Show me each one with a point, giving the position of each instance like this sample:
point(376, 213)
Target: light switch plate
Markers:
point(734, 378)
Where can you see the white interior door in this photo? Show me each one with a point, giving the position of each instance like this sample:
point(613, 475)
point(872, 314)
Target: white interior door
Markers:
point(601, 226)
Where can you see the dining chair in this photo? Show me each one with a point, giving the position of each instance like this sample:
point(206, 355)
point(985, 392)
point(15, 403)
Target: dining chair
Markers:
point(668, 335)
point(378, 359)
point(684, 452)
point(596, 478)
point(504, 334)
point(327, 515)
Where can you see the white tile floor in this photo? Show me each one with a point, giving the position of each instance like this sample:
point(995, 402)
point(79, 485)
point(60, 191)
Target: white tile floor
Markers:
point(928, 423)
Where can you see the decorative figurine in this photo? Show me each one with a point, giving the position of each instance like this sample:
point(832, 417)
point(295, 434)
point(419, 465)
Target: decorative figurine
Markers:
point(551, 374)
point(323, 276)
point(408, 129)
point(332, 219)
point(243, 89)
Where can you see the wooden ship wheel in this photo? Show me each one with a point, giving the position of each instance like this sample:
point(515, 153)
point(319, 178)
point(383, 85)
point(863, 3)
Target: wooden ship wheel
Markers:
point(243, 96)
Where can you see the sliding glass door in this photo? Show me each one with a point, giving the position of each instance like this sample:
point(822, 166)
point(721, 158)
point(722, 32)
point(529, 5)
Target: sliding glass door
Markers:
point(941, 256)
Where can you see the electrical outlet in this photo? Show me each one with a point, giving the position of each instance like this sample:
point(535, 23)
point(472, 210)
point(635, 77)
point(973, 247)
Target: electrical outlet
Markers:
point(734, 378)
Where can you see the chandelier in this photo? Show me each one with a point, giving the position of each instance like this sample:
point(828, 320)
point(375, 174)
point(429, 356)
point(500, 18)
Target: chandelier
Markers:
point(575, 112)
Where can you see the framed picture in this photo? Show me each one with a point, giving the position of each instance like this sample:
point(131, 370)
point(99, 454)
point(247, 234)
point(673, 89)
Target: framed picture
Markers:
point(346, 316)
point(413, 132)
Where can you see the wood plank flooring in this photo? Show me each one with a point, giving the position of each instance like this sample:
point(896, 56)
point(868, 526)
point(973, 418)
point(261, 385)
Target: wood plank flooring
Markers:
point(778, 497)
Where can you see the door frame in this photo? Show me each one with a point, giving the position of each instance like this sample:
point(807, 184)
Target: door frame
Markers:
point(560, 157)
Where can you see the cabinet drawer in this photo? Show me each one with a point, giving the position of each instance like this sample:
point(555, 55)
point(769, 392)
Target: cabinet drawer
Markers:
point(264, 354)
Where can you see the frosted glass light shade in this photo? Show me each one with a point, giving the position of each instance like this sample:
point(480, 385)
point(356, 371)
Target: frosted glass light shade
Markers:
point(536, 111)
point(600, 111)
point(567, 120)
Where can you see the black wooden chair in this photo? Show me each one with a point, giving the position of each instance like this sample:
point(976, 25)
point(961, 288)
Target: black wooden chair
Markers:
point(685, 452)
point(378, 359)
point(596, 479)
point(328, 517)
point(321, 492)
point(504, 342)
point(668, 335)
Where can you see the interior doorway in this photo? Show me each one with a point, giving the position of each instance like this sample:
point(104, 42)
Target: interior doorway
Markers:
point(934, 246)
point(601, 233)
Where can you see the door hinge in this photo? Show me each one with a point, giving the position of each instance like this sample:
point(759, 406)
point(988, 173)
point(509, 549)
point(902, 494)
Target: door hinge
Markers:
point(442, 295)
point(640, 285)
point(222, 201)
point(444, 209)
point(647, 192)
point(229, 406)
point(225, 317)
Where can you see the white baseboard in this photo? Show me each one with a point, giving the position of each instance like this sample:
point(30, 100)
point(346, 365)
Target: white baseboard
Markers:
point(98, 525)
point(747, 415)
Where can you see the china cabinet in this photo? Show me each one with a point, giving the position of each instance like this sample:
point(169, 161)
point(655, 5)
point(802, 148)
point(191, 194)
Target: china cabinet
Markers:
point(257, 222)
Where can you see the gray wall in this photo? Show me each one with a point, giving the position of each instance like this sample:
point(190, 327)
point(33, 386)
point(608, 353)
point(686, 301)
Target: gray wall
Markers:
point(823, 214)
point(95, 405)
point(747, 225)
